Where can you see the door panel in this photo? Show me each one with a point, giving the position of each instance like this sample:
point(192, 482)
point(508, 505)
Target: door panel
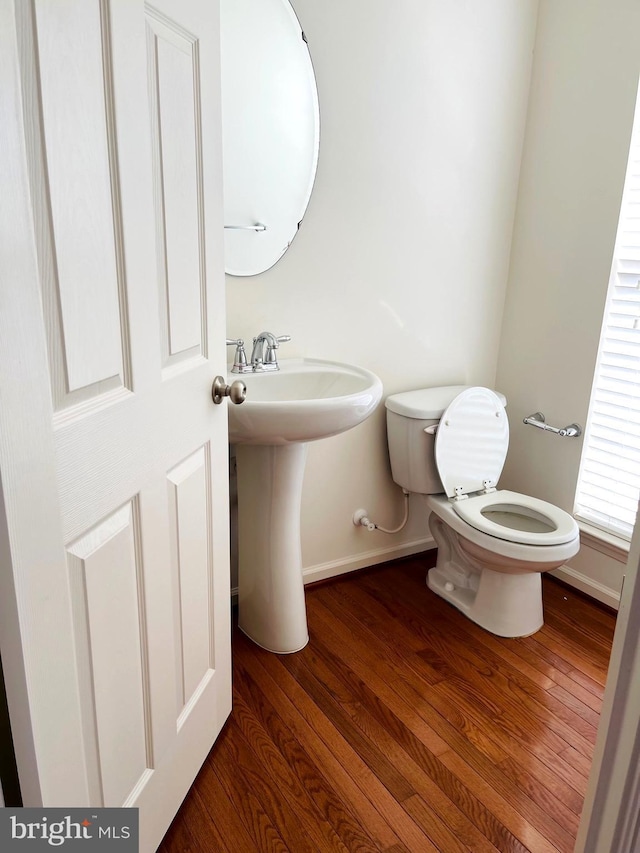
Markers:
point(189, 484)
point(115, 170)
point(106, 576)
point(79, 174)
point(174, 94)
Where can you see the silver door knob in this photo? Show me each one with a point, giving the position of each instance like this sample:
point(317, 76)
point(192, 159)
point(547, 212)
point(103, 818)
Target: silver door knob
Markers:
point(236, 392)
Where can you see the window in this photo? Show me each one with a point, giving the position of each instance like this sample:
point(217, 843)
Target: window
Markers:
point(609, 480)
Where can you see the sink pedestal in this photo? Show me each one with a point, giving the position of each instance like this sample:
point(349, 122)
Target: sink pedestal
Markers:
point(305, 400)
point(271, 606)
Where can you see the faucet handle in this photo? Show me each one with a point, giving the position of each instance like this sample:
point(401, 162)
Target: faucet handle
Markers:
point(270, 356)
point(240, 358)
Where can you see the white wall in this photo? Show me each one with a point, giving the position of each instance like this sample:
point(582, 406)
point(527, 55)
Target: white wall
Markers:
point(583, 89)
point(402, 260)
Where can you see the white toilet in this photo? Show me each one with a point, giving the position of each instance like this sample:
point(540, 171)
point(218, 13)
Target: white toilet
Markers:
point(451, 443)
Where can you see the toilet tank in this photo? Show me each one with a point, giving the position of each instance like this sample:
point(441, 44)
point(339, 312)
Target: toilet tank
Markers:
point(411, 449)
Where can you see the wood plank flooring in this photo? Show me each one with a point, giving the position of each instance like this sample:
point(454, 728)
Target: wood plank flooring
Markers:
point(403, 726)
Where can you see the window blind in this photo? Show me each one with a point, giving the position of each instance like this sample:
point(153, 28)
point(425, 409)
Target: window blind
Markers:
point(609, 480)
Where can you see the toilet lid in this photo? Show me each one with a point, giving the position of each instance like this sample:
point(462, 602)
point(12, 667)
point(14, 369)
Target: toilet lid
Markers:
point(471, 442)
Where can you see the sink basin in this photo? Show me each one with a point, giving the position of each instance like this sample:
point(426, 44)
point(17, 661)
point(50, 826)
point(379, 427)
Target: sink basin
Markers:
point(305, 400)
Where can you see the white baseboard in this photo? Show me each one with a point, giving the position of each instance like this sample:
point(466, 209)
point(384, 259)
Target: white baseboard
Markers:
point(334, 568)
point(591, 587)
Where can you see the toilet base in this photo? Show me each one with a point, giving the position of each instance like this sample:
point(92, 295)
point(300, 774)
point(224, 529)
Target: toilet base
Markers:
point(508, 605)
point(501, 594)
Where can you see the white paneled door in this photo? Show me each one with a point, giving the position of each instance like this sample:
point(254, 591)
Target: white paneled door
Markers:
point(114, 557)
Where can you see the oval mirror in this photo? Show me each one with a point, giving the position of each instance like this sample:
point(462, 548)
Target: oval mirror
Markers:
point(270, 131)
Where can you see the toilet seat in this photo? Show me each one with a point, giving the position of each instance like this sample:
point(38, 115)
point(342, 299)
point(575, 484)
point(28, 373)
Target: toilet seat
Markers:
point(477, 511)
point(470, 450)
point(503, 548)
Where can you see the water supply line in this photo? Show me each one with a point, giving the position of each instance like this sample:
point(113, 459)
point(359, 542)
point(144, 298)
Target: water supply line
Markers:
point(361, 518)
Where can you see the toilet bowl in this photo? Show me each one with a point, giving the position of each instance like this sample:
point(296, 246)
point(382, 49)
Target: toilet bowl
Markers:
point(450, 443)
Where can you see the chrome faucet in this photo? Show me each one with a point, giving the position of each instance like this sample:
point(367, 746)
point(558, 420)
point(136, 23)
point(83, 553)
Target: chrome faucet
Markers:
point(263, 355)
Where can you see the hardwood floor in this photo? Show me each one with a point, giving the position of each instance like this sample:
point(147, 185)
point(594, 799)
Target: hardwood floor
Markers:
point(403, 726)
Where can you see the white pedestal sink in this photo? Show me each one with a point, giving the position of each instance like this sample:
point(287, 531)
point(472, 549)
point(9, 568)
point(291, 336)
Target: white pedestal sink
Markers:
point(307, 399)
